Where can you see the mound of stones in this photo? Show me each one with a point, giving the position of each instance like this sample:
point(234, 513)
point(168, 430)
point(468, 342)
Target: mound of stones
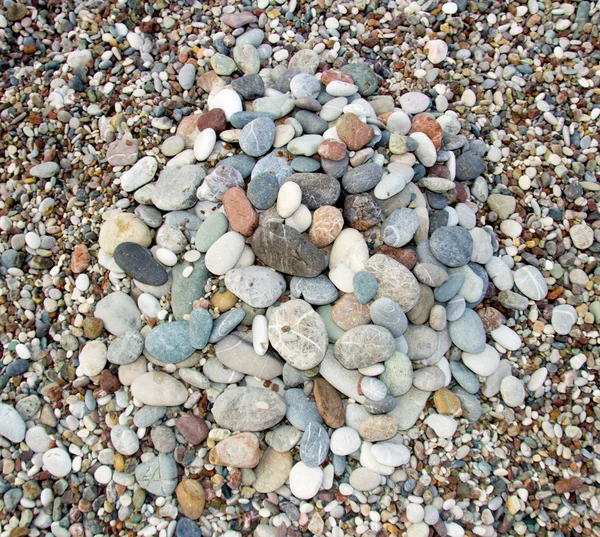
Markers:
point(306, 280)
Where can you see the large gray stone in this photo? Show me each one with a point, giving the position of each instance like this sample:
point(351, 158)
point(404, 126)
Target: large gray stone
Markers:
point(248, 409)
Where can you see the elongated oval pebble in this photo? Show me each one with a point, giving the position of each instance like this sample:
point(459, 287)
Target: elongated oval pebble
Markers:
point(288, 199)
point(204, 144)
point(260, 334)
point(166, 257)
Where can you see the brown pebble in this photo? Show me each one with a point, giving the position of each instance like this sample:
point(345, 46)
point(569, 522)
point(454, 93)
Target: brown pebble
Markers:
point(378, 428)
point(191, 498)
point(329, 403)
point(362, 212)
point(238, 451)
point(427, 124)
point(335, 74)
point(109, 382)
point(92, 327)
point(447, 403)
point(242, 216)
point(193, 428)
point(212, 119)
point(326, 226)
point(491, 318)
point(405, 256)
point(353, 132)
point(349, 313)
point(223, 301)
point(568, 485)
point(80, 259)
point(332, 150)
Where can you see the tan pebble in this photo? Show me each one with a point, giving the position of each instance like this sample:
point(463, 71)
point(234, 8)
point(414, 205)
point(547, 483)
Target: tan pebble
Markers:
point(349, 313)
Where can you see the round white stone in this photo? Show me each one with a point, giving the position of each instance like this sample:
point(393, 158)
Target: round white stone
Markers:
point(344, 441)
point(506, 337)
point(338, 88)
point(300, 220)
point(444, 426)
point(415, 513)
point(289, 198)
point(226, 99)
point(149, 305)
point(204, 144)
point(92, 359)
point(512, 391)
point(33, 240)
point(511, 228)
point(483, 364)
point(57, 462)
point(82, 282)
point(103, 475)
point(166, 257)
point(305, 481)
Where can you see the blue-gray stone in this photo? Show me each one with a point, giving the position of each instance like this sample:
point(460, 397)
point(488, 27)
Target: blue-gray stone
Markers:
point(200, 328)
point(387, 313)
point(187, 528)
point(300, 409)
point(305, 85)
point(364, 77)
point(482, 273)
point(386, 405)
point(211, 229)
point(249, 87)
point(336, 168)
point(262, 191)
point(318, 189)
point(226, 323)
point(464, 377)
point(16, 368)
point(126, 348)
point(317, 291)
point(451, 245)
point(400, 227)
point(365, 286)
point(455, 308)
point(339, 465)
point(12, 259)
point(139, 263)
point(275, 165)
point(469, 165)
point(437, 220)
point(240, 119)
point(467, 332)
point(470, 404)
point(169, 342)
point(253, 36)
point(185, 291)
point(182, 220)
point(149, 415)
point(305, 164)
point(450, 288)
point(362, 178)
point(242, 163)
point(314, 445)
point(257, 137)
point(158, 475)
point(311, 122)
point(12, 499)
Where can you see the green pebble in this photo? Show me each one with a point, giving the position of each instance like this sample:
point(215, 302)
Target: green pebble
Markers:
point(595, 310)
point(211, 229)
point(333, 330)
point(365, 286)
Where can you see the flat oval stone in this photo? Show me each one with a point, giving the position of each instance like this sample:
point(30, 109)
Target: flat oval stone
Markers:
point(365, 287)
point(298, 334)
point(210, 230)
point(240, 212)
point(283, 248)
point(226, 323)
point(262, 191)
point(344, 380)
point(305, 481)
point(169, 342)
point(378, 428)
point(345, 441)
point(257, 137)
point(158, 475)
point(126, 348)
point(395, 281)
point(429, 379)
point(531, 283)
point(119, 313)
point(139, 263)
point(237, 451)
point(451, 245)
point(314, 445)
point(159, 389)
point(422, 342)
point(409, 407)
point(362, 178)
point(364, 346)
point(398, 374)
point(258, 287)
point(278, 105)
point(326, 225)
point(329, 403)
point(272, 471)
point(390, 454)
point(200, 327)
point(176, 187)
point(238, 354)
point(469, 165)
point(387, 313)
point(248, 409)
point(467, 333)
point(12, 426)
point(224, 253)
point(349, 313)
point(317, 291)
point(400, 227)
point(301, 409)
point(318, 189)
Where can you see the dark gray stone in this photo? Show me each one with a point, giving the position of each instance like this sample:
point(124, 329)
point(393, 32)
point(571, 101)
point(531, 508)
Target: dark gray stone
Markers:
point(469, 165)
point(139, 263)
point(311, 122)
point(262, 191)
point(318, 189)
point(240, 119)
point(452, 246)
point(314, 445)
point(362, 178)
point(249, 86)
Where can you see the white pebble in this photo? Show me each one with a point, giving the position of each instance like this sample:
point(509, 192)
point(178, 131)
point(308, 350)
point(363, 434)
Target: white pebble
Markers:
point(33, 240)
point(288, 199)
point(166, 257)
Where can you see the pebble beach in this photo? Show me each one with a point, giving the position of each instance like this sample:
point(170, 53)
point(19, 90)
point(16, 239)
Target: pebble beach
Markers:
point(284, 269)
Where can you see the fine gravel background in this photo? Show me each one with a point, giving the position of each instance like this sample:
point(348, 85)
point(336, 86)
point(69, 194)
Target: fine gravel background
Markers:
point(522, 77)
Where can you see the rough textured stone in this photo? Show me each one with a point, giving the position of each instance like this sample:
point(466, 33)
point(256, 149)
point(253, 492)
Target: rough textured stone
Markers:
point(318, 189)
point(364, 346)
point(395, 281)
point(353, 132)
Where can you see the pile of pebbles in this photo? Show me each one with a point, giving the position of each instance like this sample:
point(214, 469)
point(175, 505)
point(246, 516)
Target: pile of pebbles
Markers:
point(322, 284)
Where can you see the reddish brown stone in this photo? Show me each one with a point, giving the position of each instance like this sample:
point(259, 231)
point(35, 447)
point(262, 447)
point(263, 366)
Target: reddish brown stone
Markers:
point(349, 313)
point(439, 170)
point(405, 256)
point(213, 119)
point(332, 150)
point(335, 74)
point(568, 485)
point(491, 318)
point(426, 124)
point(361, 212)
point(240, 212)
point(461, 193)
point(193, 428)
point(149, 27)
point(329, 403)
point(209, 81)
point(384, 117)
point(109, 381)
point(80, 258)
point(92, 327)
point(353, 132)
point(188, 129)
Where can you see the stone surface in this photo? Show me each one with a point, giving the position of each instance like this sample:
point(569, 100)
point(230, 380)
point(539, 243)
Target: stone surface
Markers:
point(158, 389)
point(259, 287)
point(318, 189)
point(123, 227)
point(272, 471)
point(451, 245)
point(139, 263)
point(176, 187)
point(12, 426)
point(191, 498)
point(314, 445)
point(238, 354)
point(282, 248)
point(353, 132)
point(395, 281)
point(158, 475)
point(298, 334)
point(248, 409)
point(364, 346)
point(329, 403)
point(240, 212)
point(530, 281)
point(238, 451)
point(169, 342)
